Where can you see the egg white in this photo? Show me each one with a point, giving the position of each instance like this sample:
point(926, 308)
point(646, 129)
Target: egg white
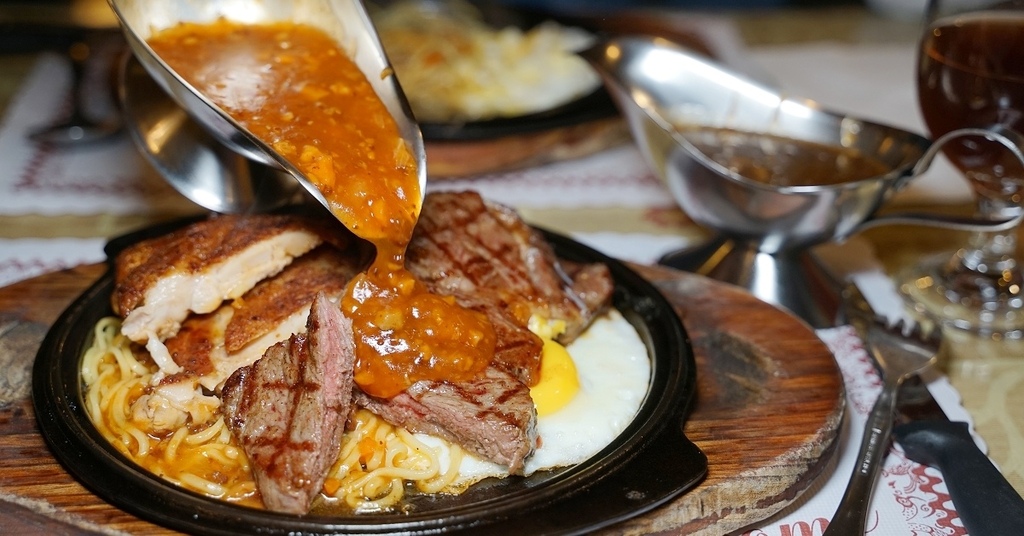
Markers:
point(614, 373)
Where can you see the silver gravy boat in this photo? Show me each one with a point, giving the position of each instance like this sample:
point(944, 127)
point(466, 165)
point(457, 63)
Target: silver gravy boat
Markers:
point(344, 20)
point(763, 231)
point(191, 160)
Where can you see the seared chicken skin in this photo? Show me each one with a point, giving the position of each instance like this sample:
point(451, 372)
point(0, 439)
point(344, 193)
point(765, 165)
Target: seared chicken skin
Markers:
point(212, 346)
point(159, 282)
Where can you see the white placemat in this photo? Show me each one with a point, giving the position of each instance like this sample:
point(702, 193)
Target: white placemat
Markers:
point(618, 177)
point(37, 178)
point(23, 259)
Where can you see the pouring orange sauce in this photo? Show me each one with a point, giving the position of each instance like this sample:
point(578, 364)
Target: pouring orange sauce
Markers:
point(294, 88)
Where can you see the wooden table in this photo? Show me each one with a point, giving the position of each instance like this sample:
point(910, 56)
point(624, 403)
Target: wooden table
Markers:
point(767, 412)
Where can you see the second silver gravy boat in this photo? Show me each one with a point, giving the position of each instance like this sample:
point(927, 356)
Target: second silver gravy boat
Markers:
point(763, 231)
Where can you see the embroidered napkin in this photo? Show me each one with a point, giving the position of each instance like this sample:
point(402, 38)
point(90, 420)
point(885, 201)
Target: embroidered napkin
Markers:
point(38, 178)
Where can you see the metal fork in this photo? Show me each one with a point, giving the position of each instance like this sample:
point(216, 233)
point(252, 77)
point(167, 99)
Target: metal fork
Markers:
point(900, 350)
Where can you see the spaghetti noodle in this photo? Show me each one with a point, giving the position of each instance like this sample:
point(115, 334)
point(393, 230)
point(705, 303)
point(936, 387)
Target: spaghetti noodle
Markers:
point(376, 463)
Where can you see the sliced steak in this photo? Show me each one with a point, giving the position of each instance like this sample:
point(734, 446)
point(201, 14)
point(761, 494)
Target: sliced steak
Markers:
point(517, 349)
point(489, 259)
point(288, 409)
point(492, 415)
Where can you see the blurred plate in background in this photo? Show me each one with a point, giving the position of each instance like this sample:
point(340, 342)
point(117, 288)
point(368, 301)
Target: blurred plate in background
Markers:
point(558, 109)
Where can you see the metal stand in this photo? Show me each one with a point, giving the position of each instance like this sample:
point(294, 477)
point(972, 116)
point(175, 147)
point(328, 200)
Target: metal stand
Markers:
point(794, 280)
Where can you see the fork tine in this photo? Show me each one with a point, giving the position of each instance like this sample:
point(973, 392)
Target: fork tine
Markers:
point(915, 331)
point(907, 329)
point(857, 311)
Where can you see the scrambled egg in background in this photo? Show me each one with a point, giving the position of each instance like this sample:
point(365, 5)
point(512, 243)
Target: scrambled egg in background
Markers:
point(455, 68)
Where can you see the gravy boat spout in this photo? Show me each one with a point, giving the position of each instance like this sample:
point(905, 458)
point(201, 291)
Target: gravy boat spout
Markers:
point(346, 21)
point(770, 175)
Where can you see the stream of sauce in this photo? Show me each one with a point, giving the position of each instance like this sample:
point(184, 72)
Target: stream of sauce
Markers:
point(294, 88)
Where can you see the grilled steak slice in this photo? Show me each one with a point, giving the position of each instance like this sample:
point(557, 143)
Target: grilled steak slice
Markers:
point(485, 255)
point(288, 409)
point(492, 415)
point(158, 282)
point(593, 285)
point(517, 349)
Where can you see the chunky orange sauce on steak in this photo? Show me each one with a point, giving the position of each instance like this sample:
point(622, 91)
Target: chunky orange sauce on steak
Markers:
point(293, 87)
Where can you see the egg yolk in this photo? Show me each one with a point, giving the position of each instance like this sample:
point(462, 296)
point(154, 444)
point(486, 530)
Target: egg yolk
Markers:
point(559, 382)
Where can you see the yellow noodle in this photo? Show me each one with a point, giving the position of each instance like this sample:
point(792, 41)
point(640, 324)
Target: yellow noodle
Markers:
point(141, 440)
point(375, 480)
point(375, 461)
point(90, 364)
point(443, 480)
point(202, 485)
point(171, 450)
point(218, 453)
point(361, 504)
point(92, 408)
point(118, 404)
point(206, 435)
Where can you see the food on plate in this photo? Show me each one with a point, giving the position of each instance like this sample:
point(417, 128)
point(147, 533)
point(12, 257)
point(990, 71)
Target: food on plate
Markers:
point(435, 436)
point(289, 408)
point(443, 318)
point(456, 68)
point(197, 270)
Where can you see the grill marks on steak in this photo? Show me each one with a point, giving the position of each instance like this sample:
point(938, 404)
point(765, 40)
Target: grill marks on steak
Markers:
point(288, 409)
point(516, 348)
point(486, 257)
point(492, 415)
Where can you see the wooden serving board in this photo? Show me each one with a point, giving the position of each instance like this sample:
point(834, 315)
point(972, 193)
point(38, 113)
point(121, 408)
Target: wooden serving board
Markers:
point(768, 412)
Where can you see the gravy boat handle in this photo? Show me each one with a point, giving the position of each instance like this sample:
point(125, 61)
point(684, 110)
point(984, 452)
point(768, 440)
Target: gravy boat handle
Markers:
point(1012, 140)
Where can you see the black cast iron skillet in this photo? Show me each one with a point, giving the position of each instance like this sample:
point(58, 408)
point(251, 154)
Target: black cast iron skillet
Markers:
point(648, 464)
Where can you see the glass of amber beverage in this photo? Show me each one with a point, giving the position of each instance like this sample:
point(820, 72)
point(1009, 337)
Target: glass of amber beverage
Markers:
point(970, 74)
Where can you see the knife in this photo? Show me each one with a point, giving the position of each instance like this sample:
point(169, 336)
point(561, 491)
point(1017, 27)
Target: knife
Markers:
point(985, 501)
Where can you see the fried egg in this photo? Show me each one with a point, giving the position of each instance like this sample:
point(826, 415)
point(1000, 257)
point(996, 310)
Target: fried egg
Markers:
point(588, 394)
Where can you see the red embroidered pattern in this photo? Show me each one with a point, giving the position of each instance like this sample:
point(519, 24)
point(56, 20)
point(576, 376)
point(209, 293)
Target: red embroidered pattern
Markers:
point(919, 491)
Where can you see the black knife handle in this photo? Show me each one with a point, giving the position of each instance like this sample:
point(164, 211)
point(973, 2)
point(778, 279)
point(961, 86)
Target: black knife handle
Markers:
point(986, 502)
